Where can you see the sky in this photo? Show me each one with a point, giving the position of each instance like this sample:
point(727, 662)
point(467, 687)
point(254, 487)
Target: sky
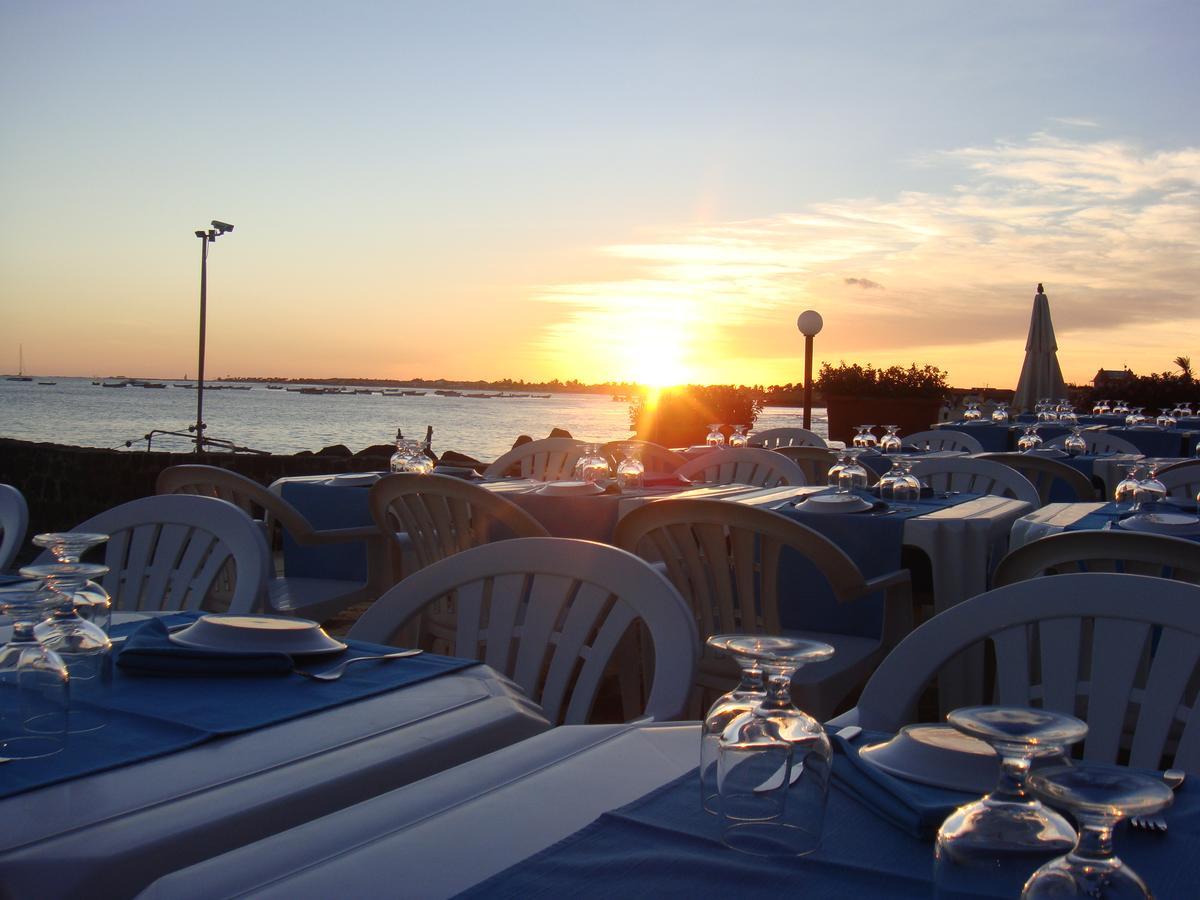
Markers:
point(597, 190)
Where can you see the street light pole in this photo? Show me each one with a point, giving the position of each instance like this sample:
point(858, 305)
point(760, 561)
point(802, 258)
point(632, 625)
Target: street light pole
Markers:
point(206, 238)
point(810, 323)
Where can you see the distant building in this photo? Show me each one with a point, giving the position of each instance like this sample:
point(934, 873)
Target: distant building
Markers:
point(1113, 377)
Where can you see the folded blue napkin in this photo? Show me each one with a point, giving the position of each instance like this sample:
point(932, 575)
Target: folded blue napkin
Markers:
point(149, 650)
point(916, 808)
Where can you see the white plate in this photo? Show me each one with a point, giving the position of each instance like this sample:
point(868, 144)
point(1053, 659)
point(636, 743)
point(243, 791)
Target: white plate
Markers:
point(570, 489)
point(937, 755)
point(1161, 523)
point(834, 503)
point(258, 634)
point(352, 479)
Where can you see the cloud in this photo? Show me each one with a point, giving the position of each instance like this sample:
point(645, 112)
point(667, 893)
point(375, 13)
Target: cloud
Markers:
point(1112, 230)
point(1077, 122)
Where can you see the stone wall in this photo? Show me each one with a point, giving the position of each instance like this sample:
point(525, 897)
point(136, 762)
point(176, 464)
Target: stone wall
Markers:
point(64, 486)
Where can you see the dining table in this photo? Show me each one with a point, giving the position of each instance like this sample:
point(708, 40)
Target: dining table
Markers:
point(633, 826)
point(190, 766)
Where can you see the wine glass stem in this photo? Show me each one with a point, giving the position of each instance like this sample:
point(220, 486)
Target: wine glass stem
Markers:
point(1011, 787)
point(1095, 842)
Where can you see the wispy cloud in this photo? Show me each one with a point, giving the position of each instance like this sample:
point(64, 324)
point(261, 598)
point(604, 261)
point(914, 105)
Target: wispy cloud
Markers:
point(1112, 230)
point(1073, 120)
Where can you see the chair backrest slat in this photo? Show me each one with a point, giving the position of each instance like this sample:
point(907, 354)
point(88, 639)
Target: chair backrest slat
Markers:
point(1061, 643)
point(1175, 664)
point(584, 615)
point(1012, 667)
point(1118, 648)
point(613, 628)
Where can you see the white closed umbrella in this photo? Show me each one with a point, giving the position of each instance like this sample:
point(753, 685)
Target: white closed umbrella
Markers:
point(1041, 375)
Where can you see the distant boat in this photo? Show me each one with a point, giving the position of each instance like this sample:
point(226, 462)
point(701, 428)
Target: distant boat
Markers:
point(153, 384)
point(47, 382)
point(115, 384)
point(274, 387)
point(20, 376)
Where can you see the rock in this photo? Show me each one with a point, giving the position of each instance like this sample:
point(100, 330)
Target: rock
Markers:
point(559, 432)
point(377, 450)
point(335, 450)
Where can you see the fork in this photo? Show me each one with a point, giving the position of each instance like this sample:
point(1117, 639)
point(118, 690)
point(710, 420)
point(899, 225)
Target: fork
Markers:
point(339, 670)
point(1173, 778)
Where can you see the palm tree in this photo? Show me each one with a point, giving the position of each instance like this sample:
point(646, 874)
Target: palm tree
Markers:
point(1185, 363)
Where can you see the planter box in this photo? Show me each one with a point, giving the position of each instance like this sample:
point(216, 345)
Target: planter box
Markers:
point(910, 413)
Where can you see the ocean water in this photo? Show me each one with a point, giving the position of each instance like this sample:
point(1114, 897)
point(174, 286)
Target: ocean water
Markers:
point(74, 411)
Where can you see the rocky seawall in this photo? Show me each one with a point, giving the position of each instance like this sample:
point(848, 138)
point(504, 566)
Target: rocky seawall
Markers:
point(66, 485)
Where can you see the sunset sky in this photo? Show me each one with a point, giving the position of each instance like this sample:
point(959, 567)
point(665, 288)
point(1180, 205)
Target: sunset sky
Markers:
point(597, 190)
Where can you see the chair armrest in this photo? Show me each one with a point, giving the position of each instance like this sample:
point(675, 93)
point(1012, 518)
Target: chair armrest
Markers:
point(892, 579)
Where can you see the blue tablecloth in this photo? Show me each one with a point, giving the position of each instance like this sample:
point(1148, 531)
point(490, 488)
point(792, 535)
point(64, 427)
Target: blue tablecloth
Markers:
point(154, 715)
point(872, 541)
point(992, 437)
point(664, 845)
point(327, 506)
point(1155, 442)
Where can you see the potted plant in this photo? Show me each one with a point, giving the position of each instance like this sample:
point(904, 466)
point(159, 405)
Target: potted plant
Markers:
point(680, 416)
point(861, 395)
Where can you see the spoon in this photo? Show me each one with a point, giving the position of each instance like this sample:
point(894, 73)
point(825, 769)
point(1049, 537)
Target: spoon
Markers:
point(339, 670)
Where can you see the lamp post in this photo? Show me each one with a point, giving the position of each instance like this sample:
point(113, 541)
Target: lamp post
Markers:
point(206, 238)
point(810, 323)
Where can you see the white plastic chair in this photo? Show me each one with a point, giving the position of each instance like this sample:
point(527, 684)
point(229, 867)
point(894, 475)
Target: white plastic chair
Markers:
point(1119, 651)
point(743, 465)
point(1102, 551)
point(311, 598)
point(14, 520)
point(1043, 473)
point(976, 476)
point(550, 459)
point(942, 439)
point(1182, 479)
point(550, 613)
point(774, 438)
point(167, 553)
point(1098, 442)
point(724, 559)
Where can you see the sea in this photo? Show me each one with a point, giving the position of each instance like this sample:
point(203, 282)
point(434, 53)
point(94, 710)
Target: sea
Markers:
point(77, 412)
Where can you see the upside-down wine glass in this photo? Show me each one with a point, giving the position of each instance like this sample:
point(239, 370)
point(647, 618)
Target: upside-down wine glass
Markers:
point(591, 466)
point(775, 761)
point(865, 439)
point(853, 476)
point(91, 599)
point(715, 437)
point(1120, 408)
point(1000, 414)
point(890, 442)
point(972, 413)
point(907, 488)
point(631, 472)
point(1075, 444)
point(835, 471)
point(742, 699)
point(1101, 408)
point(1097, 798)
point(738, 438)
point(82, 645)
point(1125, 495)
point(1150, 490)
point(1008, 833)
point(1030, 440)
point(1165, 420)
point(34, 683)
